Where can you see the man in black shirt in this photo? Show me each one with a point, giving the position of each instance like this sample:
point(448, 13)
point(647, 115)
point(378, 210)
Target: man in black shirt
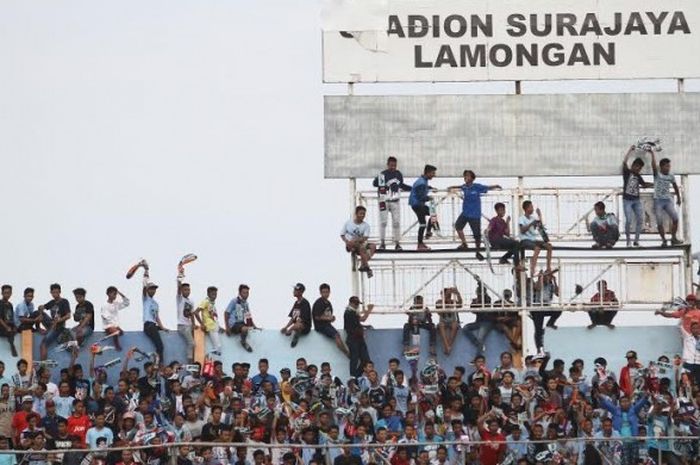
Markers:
point(632, 182)
point(347, 458)
point(299, 316)
point(60, 313)
point(84, 315)
point(355, 335)
point(7, 318)
point(64, 440)
point(322, 313)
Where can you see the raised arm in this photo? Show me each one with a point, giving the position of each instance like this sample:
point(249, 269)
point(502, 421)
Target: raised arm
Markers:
point(629, 153)
point(654, 168)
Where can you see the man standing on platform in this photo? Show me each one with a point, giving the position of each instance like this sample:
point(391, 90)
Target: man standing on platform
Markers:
point(632, 182)
point(471, 210)
point(355, 335)
point(151, 315)
point(419, 196)
point(389, 186)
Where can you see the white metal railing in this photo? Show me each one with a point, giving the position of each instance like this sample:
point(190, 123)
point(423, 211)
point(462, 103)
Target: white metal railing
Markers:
point(639, 284)
point(565, 211)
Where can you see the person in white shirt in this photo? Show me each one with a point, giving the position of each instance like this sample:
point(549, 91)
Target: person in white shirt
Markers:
point(532, 236)
point(691, 350)
point(110, 314)
point(185, 312)
point(355, 234)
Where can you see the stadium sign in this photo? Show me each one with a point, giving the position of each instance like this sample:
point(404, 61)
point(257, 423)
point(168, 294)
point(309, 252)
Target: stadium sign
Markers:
point(480, 40)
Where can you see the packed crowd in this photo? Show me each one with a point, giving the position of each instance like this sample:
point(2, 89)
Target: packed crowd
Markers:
point(386, 416)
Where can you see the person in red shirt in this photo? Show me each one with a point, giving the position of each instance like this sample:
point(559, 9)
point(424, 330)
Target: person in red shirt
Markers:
point(401, 457)
point(688, 315)
point(494, 450)
point(607, 300)
point(629, 373)
point(20, 422)
point(78, 422)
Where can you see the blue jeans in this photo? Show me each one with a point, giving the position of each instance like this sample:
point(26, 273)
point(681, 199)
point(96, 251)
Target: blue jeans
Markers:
point(633, 208)
point(482, 330)
point(664, 205)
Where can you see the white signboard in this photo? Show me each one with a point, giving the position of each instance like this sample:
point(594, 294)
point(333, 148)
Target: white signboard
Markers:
point(485, 40)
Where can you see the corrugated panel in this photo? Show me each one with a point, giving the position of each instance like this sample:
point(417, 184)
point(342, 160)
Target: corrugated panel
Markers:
point(507, 135)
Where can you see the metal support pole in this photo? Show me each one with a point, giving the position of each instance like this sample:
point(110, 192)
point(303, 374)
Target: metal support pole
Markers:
point(681, 85)
point(354, 275)
point(687, 236)
point(518, 88)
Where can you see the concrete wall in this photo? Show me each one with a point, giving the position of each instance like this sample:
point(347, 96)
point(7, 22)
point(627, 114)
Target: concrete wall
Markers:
point(566, 343)
point(570, 343)
point(174, 350)
point(383, 344)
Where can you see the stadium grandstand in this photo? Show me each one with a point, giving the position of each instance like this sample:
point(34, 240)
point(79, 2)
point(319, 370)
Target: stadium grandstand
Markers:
point(540, 297)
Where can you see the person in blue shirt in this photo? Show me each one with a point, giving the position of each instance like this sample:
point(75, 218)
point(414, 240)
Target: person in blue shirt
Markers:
point(471, 210)
point(417, 199)
point(151, 315)
point(263, 375)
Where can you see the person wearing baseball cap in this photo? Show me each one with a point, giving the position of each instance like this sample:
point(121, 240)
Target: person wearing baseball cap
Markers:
point(299, 323)
point(689, 313)
point(151, 314)
point(355, 334)
point(628, 373)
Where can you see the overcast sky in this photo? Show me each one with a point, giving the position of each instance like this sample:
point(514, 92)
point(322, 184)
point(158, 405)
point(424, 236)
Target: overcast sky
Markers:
point(154, 129)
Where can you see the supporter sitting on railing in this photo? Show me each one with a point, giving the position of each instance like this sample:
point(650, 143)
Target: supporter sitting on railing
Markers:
point(355, 234)
point(604, 227)
point(607, 300)
point(499, 236)
point(533, 235)
point(508, 322)
point(419, 317)
point(448, 305)
point(477, 331)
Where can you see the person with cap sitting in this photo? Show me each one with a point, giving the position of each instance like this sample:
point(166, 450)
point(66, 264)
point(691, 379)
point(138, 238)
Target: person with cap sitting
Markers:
point(628, 373)
point(299, 323)
point(20, 420)
point(151, 314)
